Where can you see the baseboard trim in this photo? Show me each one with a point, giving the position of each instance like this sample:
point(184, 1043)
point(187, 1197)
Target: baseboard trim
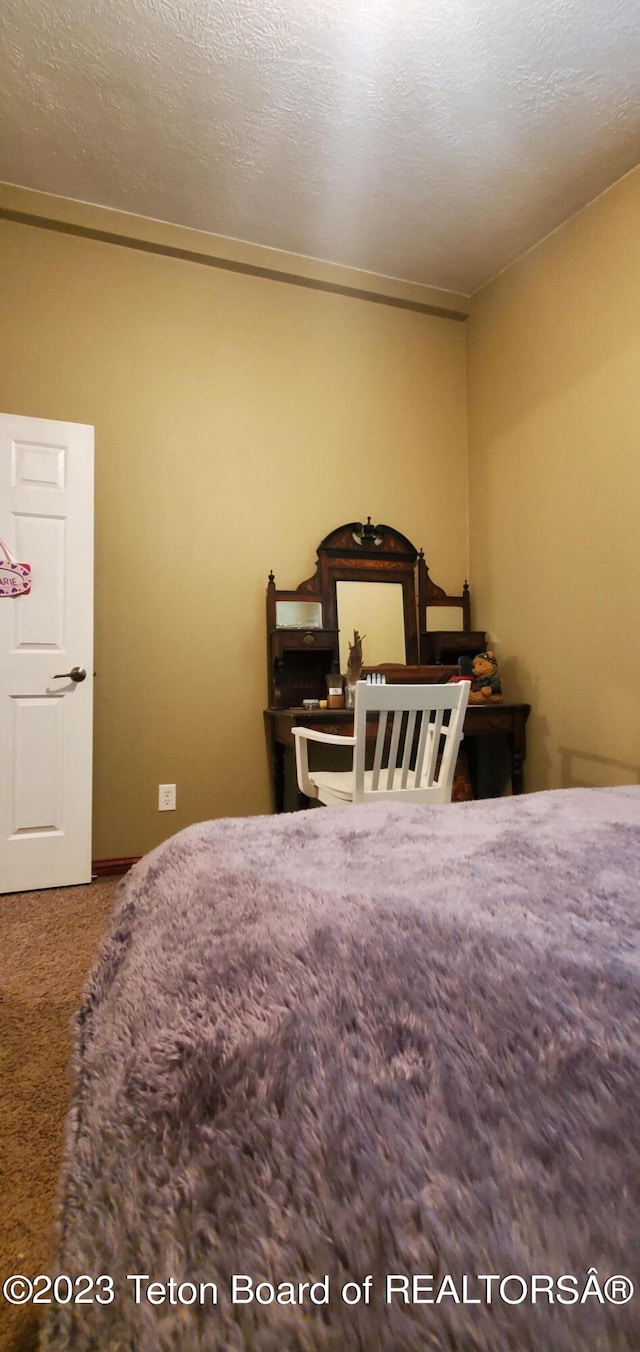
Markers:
point(105, 868)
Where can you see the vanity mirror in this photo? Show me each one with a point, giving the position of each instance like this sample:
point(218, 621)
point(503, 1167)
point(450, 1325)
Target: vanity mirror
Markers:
point(376, 610)
point(299, 614)
point(370, 578)
point(367, 575)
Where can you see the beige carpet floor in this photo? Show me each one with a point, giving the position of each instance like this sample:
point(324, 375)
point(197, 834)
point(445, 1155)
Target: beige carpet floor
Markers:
point(48, 944)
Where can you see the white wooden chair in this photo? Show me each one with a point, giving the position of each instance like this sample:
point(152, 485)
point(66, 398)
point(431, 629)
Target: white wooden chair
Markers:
point(415, 752)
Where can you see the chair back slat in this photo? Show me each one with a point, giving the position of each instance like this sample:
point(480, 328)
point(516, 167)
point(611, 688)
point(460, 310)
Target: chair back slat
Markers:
point(425, 726)
point(393, 748)
point(379, 751)
point(433, 748)
point(450, 752)
point(408, 747)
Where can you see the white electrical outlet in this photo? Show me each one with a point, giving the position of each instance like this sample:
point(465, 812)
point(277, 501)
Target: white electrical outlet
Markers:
point(166, 797)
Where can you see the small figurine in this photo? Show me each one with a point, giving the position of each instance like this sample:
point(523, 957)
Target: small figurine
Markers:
point(354, 660)
point(354, 669)
point(485, 686)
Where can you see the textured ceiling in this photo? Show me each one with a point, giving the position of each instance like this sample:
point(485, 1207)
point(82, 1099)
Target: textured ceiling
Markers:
point(433, 140)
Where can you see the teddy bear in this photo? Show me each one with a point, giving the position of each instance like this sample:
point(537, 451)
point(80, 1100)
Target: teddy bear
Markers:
point(485, 685)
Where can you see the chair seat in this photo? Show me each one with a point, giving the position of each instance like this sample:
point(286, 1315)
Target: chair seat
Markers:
point(339, 784)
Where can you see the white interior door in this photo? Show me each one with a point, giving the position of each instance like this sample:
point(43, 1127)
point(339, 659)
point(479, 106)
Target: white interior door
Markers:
point(46, 716)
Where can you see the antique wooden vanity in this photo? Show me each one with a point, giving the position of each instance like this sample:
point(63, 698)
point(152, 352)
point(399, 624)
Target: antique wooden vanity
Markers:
point(370, 578)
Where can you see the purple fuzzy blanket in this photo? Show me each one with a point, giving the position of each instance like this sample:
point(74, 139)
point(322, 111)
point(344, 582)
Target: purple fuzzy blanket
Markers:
point(364, 1081)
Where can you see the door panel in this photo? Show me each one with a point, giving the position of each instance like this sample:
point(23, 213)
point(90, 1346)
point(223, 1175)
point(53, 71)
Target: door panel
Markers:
point(37, 755)
point(46, 519)
point(39, 623)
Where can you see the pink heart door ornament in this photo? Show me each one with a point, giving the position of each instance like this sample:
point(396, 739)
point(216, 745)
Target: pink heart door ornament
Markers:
point(15, 578)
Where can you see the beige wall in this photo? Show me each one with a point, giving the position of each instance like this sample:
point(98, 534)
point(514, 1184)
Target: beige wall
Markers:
point(238, 420)
point(554, 453)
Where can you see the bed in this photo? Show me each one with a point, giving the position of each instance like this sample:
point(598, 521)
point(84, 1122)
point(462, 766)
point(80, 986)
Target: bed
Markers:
point(364, 1079)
